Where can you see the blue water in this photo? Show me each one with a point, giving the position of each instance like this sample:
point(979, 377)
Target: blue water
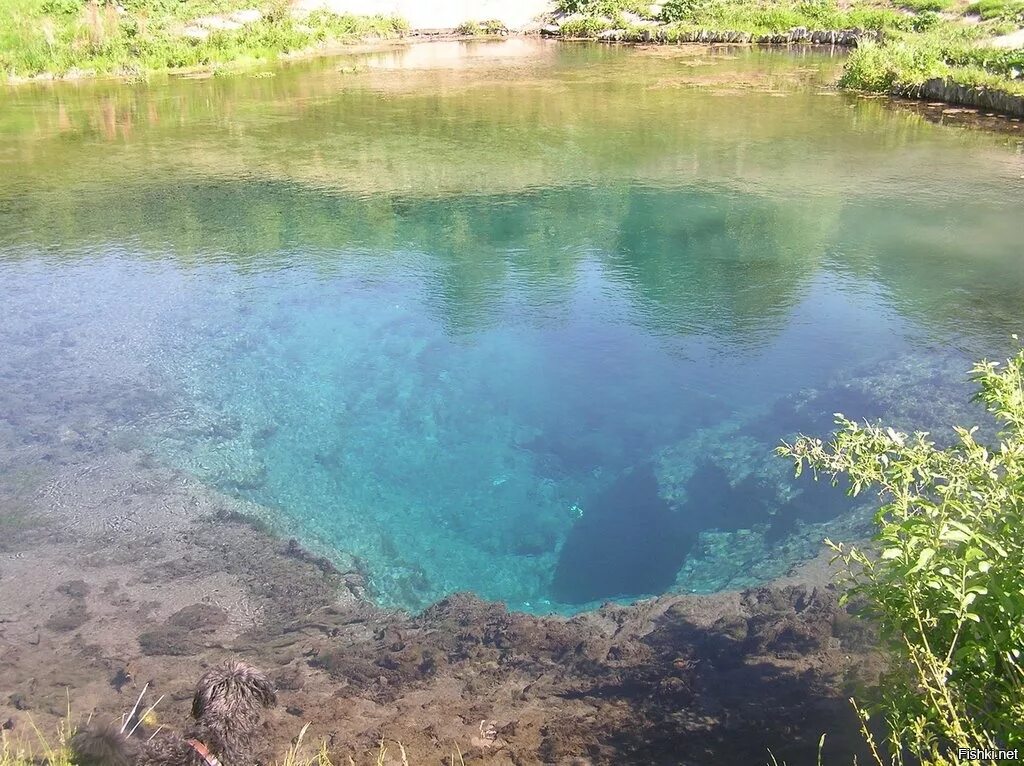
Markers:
point(550, 393)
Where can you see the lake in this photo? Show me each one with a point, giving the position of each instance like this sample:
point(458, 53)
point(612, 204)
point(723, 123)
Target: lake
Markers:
point(520, 318)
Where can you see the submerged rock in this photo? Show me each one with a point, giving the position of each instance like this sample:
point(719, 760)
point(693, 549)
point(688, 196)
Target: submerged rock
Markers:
point(168, 640)
point(69, 619)
point(77, 589)
point(199, 617)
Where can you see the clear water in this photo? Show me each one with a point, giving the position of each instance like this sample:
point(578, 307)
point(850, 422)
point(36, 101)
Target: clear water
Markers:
point(514, 318)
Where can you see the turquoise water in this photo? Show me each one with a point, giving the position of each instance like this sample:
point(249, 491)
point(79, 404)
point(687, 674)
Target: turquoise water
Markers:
point(521, 320)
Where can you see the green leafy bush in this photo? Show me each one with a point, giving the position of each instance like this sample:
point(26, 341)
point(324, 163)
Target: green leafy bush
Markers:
point(605, 7)
point(689, 10)
point(949, 52)
point(816, 8)
point(585, 28)
point(925, 21)
point(945, 577)
point(487, 27)
point(62, 7)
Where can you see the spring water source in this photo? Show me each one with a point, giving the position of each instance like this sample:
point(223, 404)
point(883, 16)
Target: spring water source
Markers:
point(515, 318)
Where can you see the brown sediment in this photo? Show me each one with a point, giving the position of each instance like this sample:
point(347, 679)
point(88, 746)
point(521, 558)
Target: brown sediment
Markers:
point(944, 113)
point(165, 577)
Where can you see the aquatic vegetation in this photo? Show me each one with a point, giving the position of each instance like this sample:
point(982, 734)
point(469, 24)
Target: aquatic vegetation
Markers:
point(945, 576)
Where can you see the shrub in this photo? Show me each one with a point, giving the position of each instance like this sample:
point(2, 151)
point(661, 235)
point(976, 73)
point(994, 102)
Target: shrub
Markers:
point(878, 68)
point(584, 28)
point(691, 10)
point(62, 7)
point(488, 27)
point(944, 51)
point(925, 20)
point(877, 19)
point(605, 7)
point(945, 577)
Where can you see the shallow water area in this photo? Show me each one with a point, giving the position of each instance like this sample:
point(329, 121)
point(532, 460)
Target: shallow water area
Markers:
point(519, 318)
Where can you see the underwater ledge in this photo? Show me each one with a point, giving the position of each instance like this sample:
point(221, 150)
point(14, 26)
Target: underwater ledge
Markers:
point(107, 605)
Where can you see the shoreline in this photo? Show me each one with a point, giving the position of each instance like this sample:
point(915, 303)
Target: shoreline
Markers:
point(129, 572)
point(986, 102)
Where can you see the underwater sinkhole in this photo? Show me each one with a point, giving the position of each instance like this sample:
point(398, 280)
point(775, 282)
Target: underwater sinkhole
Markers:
point(527, 324)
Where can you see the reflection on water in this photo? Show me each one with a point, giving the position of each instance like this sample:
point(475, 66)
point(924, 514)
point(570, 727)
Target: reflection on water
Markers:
point(517, 318)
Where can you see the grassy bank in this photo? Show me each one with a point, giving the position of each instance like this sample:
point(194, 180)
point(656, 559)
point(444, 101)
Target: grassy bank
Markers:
point(753, 17)
point(900, 44)
point(950, 53)
point(80, 37)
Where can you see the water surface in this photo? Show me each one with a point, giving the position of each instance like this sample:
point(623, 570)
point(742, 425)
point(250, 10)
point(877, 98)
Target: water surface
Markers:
point(516, 318)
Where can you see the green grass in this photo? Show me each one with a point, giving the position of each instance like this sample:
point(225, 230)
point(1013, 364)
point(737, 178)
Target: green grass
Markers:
point(918, 6)
point(773, 17)
point(53, 750)
point(953, 54)
point(755, 17)
point(66, 36)
point(31, 749)
point(585, 28)
point(1012, 10)
point(477, 28)
point(914, 46)
point(610, 8)
point(941, 49)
